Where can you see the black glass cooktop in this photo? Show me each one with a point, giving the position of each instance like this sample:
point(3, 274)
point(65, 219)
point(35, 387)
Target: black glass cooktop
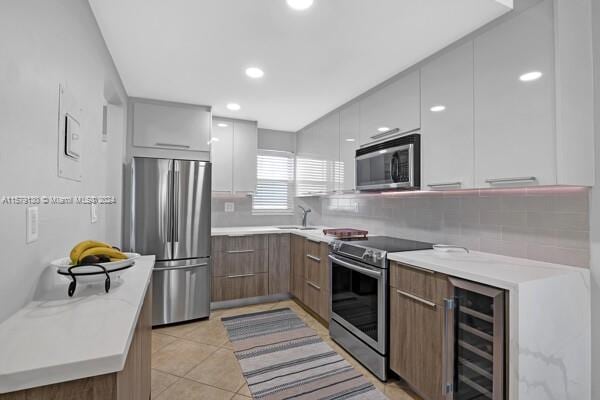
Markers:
point(390, 244)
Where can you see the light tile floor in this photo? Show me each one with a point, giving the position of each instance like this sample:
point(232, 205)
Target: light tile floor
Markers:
point(196, 361)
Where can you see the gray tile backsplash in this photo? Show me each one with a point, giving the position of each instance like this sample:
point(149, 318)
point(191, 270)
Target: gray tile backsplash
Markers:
point(546, 224)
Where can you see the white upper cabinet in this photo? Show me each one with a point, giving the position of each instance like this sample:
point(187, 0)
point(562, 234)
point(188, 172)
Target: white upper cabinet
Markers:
point(514, 119)
point(349, 139)
point(447, 120)
point(233, 155)
point(328, 140)
point(170, 125)
point(394, 106)
point(222, 155)
point(245, 144)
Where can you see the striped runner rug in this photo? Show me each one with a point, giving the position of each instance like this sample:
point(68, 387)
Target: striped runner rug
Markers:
point(282, 358)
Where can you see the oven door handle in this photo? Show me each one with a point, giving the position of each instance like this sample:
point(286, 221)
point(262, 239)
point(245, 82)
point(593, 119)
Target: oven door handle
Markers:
point(362, 270)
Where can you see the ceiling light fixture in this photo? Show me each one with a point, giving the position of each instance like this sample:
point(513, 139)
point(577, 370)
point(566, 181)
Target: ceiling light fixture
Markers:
point(300, 4)
point(439, 108)
point(222, 125)
point(383, 129)
point(254, 72)
point(530, 76)
point(233, 106)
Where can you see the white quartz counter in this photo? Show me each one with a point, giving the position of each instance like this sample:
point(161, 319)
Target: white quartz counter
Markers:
point(313, 234)
point(57, 338)
point(549, 318)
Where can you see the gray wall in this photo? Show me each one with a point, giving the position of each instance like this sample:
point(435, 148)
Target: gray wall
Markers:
point(269, 139)
point(45, 42)
point(595, 211)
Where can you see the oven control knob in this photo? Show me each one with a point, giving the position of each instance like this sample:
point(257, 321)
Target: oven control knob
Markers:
point(368, 255)
point(336, 246)
point(378, 256)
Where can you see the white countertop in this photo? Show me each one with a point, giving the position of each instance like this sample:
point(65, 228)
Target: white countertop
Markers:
point(314, 234)
point(491, 269)
point(57, 338)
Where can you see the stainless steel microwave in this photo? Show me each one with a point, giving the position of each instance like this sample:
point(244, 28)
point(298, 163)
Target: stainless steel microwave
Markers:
point(389, 165)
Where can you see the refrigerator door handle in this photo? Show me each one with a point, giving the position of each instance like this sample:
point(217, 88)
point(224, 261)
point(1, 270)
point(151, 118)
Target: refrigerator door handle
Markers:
point(448, 350)
point(169, 207)
point(176, 205)
point(181, 267)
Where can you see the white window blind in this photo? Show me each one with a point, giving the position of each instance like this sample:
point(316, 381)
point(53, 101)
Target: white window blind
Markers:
point(274, 183)
point(314, 176)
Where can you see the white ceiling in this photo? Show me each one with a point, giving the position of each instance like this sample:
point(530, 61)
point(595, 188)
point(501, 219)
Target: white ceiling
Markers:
point(196, 51)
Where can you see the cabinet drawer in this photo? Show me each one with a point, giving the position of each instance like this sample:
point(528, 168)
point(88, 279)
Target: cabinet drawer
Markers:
point(239, 243)
point(428, 285)
point(239, 286)
point(312, 249)
point(238, 262)
point(312, 296)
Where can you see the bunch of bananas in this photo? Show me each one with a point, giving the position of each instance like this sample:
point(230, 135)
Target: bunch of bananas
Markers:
point(93, 252)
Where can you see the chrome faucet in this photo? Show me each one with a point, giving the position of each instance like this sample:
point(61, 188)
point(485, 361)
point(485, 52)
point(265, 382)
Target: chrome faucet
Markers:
point(305, 215)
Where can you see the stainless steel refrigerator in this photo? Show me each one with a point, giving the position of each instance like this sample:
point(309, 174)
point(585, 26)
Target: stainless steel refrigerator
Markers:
point(170, 218)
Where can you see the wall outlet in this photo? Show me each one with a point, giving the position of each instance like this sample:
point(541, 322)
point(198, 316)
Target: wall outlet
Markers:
point(94, 213)
point(33, 224)
point(229, 206)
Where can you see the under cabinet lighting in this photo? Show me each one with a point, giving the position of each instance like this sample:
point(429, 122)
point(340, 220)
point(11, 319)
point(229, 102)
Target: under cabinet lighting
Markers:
point(350, 140)
point(383, 129)
point(530, 76)
point(222, 125)
point(438, 108)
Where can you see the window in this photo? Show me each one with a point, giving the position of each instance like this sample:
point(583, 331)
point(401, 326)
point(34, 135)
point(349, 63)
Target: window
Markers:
point(274, 183)
point(315, 176)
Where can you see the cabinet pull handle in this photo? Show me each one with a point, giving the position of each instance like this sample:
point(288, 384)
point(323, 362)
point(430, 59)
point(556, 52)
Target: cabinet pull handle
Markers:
point(240, 276)
point(416, 298)
point(496, 181)
point(444, 185)
point(448, 350)
point(314, 285)
point(427, 271)
point(317, 259)
point(239, 251)
point(182, 146)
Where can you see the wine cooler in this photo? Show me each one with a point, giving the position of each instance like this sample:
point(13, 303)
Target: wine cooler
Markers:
point(474, 342)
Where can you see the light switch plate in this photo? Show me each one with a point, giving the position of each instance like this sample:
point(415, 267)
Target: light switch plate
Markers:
point(93, 213)
point(229, 206)
point(32, 224)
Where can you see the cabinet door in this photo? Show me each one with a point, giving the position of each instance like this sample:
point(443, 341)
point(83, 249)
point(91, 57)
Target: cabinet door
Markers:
point(325, 298)
point(221, 155)
point(279, 263)
point(245, 144)
point(171, 126)
point(514, 120)
point(447, 134)
point(395, 106)
point(349, 139)
point(416, 334)
point(297, 270)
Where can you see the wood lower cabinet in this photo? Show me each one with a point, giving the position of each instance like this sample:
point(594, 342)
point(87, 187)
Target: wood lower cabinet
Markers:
point(240, 286)
point(131, 383)
point(297, 267)
point(279, 263)
point(316, 278)
point(417, 328)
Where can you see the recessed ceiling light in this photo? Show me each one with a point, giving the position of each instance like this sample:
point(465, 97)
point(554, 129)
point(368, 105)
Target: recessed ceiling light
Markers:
point(233, 106)
point(438, 108)
point(300, 4)
point(530, 76)
point(383, 129)
point(222, 125)
point(350, 140)
point(254, 72)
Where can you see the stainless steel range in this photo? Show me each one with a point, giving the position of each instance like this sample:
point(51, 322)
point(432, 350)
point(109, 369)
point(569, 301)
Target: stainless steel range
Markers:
point(360, 297)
